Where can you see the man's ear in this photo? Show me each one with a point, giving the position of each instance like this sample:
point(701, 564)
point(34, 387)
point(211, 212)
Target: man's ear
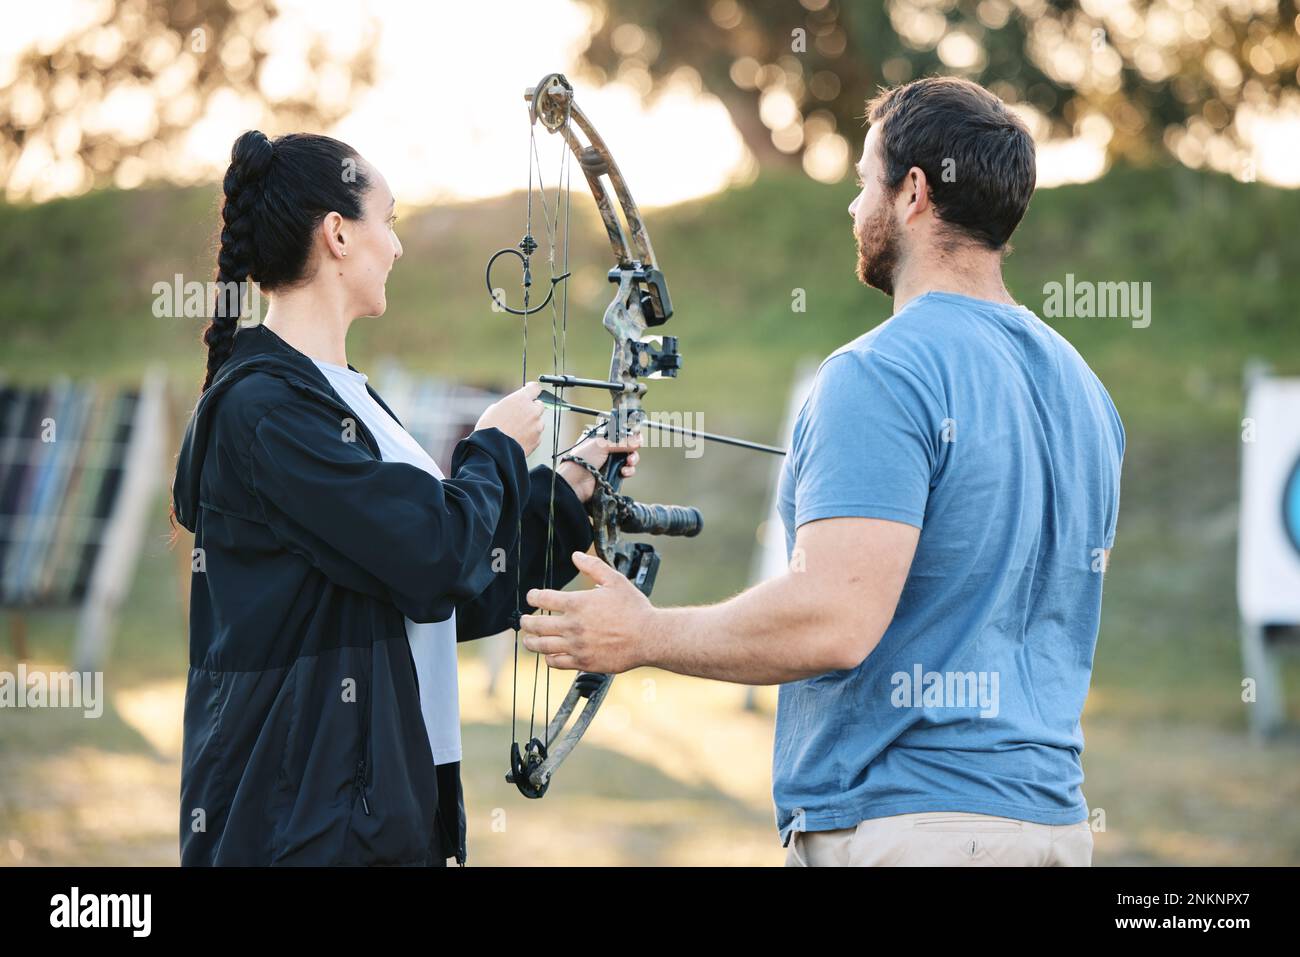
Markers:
point(917, 189)
point(334, 229)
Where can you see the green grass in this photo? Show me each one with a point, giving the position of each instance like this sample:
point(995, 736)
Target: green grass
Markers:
point(75, 299)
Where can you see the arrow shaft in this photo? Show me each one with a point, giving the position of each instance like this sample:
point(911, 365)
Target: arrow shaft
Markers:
point(675, 429)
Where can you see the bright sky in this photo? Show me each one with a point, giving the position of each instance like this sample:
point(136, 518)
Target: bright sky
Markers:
point(446, 118)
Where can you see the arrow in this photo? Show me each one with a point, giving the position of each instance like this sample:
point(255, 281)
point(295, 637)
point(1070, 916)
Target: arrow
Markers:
point(551, 399)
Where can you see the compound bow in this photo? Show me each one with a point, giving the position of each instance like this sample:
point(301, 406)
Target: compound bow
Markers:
point(641, 301)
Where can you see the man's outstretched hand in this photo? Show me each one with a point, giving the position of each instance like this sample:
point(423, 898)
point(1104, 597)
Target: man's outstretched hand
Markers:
point(605, 630)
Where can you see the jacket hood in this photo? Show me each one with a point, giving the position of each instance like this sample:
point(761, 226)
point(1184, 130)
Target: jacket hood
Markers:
point(256, 349)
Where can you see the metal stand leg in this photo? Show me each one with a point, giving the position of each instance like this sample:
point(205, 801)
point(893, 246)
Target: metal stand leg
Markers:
point(1268, 711)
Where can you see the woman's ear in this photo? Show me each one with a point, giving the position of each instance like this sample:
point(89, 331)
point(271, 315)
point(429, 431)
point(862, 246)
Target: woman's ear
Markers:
point(334, 228)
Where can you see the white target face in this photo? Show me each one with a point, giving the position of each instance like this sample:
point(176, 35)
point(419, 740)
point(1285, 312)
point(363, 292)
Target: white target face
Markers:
point(1268, 561)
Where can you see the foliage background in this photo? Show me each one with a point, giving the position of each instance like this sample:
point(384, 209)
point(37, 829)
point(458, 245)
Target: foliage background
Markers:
point(675, 771)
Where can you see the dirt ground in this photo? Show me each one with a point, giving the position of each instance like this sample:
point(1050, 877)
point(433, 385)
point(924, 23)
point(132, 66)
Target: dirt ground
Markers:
point(645, 787)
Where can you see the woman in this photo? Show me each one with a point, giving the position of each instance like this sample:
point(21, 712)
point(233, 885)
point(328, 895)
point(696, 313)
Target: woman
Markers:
point(335, 566)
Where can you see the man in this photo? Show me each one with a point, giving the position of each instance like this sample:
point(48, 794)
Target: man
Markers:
point(949, 502)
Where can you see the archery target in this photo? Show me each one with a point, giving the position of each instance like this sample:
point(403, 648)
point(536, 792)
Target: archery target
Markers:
point(1268, 560)
point(1291, 506)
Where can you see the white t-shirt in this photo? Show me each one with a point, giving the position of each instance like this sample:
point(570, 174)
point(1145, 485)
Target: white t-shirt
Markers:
point(433, 644)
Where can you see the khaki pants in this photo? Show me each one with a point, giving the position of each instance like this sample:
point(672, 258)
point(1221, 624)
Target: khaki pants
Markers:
point(944, 839)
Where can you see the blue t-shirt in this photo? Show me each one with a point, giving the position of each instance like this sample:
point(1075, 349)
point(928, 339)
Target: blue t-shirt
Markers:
point(977, 423)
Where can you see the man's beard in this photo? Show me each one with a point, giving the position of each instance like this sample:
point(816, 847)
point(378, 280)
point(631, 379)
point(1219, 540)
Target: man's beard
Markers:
point(878, 250)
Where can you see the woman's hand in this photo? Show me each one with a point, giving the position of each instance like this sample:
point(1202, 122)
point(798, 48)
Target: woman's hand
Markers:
point(518, 415)
point(595, 451)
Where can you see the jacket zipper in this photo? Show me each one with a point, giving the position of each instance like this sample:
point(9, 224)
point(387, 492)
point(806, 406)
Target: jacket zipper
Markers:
point(361, 786)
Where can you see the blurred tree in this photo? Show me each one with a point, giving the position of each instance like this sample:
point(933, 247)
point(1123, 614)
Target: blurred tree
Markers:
point(114, 98)
point(1145, 77)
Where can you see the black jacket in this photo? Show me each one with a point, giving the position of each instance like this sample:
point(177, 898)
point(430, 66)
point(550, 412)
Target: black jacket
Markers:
point(304, 742)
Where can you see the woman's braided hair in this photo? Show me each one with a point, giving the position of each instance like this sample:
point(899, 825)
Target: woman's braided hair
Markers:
point(276, 193)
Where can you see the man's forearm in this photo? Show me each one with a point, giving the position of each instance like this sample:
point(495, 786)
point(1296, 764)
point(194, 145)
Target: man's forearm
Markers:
point(775, 632)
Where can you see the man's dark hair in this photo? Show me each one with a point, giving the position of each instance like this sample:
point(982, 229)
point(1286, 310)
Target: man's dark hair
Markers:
point(948, 125)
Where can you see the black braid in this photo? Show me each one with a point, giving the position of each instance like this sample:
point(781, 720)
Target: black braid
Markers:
point(276, 193)
point(249, 160)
